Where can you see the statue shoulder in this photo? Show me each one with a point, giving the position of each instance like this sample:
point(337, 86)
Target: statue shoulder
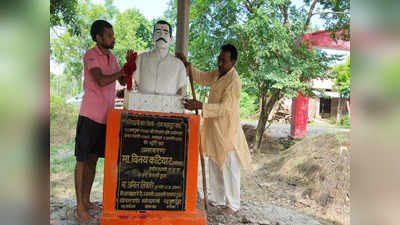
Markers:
point(176, 61)
point(144, 54)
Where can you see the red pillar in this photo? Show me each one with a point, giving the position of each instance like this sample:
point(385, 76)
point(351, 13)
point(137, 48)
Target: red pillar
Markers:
point(321, 39)
point(298, 126)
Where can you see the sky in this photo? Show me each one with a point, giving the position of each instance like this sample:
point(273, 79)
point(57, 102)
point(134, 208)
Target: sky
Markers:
point(149, 8)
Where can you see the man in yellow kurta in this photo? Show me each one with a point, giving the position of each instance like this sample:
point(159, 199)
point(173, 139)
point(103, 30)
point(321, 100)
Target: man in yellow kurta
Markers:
point(222, 137)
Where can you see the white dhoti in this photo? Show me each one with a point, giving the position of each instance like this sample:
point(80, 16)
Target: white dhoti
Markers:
point(223, 186)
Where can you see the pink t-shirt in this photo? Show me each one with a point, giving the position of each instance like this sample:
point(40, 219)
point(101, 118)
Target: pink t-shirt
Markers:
point(98, 100)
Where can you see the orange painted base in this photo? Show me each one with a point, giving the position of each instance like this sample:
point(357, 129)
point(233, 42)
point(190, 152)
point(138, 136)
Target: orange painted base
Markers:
point(184, 218)
point(111, 216)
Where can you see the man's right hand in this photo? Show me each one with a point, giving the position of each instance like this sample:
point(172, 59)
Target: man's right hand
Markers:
point(192, 104)
point(182, 57)
point(122, 79)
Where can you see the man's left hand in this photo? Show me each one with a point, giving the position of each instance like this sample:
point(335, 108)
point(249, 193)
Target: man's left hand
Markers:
point(182, 57)
point(191, 104)
point(122, 81)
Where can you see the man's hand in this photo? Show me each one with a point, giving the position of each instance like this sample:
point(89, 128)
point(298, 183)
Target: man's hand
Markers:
point(191, 104)
point(182, 57)
point(102, 79)
point(122, 80)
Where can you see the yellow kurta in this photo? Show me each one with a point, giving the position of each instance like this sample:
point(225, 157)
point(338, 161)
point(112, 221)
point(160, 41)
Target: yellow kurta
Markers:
point(222, 131)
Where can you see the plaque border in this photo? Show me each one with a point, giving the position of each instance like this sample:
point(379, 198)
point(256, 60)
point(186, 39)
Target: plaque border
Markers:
point(185, 121)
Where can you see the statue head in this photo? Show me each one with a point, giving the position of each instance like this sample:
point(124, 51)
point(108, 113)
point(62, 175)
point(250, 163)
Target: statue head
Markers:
point(162, 34)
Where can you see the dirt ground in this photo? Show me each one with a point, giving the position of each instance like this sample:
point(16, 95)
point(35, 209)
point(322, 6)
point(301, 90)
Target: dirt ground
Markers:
point(292, 182)
point(310, 176)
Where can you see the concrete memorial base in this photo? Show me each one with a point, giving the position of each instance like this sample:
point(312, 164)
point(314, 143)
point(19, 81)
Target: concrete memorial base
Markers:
point(150, 170)
point(195, 218)
point(153, 103)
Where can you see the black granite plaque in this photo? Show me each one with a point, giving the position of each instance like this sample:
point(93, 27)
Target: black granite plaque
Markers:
point(152, 163)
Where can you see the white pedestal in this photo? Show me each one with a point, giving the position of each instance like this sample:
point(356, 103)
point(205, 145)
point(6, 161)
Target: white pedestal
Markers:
point(153, 103)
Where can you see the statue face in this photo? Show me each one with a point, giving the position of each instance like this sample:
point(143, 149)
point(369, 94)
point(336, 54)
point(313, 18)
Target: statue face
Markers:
point(161, 36)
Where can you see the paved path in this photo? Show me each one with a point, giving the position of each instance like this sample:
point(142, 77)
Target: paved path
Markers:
point(283, 130)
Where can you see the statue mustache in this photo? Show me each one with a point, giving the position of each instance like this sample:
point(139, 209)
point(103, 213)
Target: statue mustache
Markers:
point(162, 39)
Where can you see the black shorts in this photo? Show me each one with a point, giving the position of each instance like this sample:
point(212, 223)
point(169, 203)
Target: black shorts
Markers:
point(90, 139)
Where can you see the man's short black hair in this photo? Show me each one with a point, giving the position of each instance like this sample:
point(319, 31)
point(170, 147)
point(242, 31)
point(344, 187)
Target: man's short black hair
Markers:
point(230, 48)
point(163, 22)
point(98, 28)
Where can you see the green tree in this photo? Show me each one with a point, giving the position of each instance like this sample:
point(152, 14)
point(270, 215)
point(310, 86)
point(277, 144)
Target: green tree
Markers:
point(63, 86)
point(273, 60)
point(69, 49)
point(342, 75)
point(63, 13)
point(132, 31)
point(336, 15)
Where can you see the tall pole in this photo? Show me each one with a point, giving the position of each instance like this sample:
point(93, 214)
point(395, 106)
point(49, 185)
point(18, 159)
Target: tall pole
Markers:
point(182, 31)
point(182, 41)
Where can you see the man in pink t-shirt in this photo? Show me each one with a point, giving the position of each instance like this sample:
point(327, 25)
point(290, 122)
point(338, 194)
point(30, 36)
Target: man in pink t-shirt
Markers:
point(101, 70)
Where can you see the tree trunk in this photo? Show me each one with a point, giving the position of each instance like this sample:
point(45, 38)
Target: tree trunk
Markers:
point(262, 120)
point(79, 82)
point(348, 106)
point(267, 105)
point(339, 110)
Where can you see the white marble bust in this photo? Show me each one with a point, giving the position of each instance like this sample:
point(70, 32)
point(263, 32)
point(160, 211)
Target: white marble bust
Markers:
point(158, 73)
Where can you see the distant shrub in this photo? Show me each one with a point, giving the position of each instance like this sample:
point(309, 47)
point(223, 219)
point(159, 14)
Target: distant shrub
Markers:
point(248, 106)
point(63, 118)
point(344, 122)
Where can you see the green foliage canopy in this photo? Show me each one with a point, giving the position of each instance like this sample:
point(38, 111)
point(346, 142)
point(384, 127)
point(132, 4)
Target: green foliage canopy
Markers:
point(268, 35)
point(273, 60)
point(132, 31)
point(342, 75)
point(63, 13)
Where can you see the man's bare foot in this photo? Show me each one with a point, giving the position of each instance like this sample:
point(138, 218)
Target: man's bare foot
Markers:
point(91, 205)
point(228, 210)
point(83, 216)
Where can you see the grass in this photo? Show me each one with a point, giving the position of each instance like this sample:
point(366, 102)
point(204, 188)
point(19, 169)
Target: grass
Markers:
point(62, 166)
point(66, 164)
point(344, 122)
point(308, 168)
point(275, 165)
point(63, 120)
point(328, 124)
point(63, 160)
point(245, 120)
point(324, 124)
point(342, 137)
point(54, 149)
